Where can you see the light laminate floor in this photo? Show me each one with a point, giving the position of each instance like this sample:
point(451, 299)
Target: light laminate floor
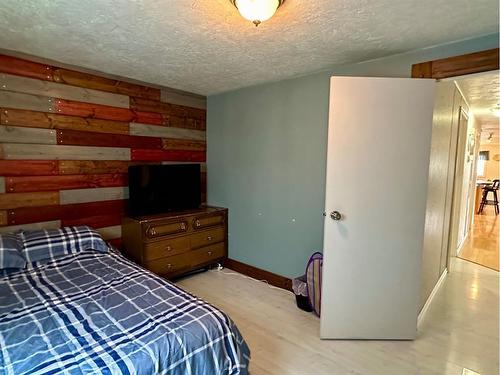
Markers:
point(482, 244)
point(460, 330)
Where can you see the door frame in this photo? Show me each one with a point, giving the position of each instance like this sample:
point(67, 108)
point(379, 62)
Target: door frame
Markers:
point(457, 190)
point(449, 67)
point(477, 62)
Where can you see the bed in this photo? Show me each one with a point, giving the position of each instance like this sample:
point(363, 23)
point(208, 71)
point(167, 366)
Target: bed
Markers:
point(95, 312)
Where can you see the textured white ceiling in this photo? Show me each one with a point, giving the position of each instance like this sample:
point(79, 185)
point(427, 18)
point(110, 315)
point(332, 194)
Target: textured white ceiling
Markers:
point(204, 46)
point(482, 92)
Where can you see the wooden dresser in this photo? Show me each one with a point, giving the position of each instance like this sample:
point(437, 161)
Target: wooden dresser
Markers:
point(175, 243)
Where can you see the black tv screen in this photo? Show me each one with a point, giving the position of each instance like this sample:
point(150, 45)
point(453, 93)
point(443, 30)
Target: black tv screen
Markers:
point(155, 189)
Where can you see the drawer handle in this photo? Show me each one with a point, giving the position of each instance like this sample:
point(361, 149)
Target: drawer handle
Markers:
point(168, 248)
point(183, 226)
point(169, 266)
point(197, 223)
point(209, 238)
point(209, 253)
point(152, 232)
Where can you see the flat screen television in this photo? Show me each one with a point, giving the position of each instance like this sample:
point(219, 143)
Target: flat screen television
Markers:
point(155, 189)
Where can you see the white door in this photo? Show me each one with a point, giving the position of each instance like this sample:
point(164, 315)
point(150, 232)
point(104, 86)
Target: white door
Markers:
point(379, 140)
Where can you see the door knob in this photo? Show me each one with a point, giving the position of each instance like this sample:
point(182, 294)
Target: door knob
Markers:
point(335, 215)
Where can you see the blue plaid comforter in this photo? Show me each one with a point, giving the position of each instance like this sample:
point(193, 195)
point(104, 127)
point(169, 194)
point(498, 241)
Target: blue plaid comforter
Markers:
point(98, 313)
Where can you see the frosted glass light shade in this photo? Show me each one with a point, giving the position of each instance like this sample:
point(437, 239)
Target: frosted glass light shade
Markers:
point(257, 11)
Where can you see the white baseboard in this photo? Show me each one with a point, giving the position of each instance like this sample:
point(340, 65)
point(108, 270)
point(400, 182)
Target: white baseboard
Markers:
point(427, 304)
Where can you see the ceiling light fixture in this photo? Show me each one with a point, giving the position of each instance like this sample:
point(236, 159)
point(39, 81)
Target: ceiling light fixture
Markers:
point(257, 11)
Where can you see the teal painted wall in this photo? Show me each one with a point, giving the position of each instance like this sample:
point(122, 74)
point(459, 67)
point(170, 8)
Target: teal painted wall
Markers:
point(267, 157)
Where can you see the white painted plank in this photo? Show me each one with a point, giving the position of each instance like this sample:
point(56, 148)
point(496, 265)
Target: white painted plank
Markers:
point(194, 101)
point(2, 184)
point(92, 195)
point(56, 152)
point(19, 134)
point(165, 132)
point(33, 86)
point(9, 99)
point(110, 233)
point(33, 226)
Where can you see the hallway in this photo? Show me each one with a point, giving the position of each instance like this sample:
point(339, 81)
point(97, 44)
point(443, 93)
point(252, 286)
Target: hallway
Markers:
point(481, 246)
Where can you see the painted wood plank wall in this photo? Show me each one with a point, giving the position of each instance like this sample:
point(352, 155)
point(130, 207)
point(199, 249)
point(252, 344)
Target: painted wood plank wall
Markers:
point(67, 139)
point(9, 82)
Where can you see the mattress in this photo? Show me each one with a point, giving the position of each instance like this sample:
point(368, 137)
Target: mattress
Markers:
point(98, 313)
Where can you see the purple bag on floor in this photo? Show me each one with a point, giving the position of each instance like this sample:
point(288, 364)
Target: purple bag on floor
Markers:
point(313, 275)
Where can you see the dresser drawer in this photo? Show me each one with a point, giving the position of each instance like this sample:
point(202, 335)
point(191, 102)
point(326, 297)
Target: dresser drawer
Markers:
point(207, 237)
point(165, 248)
point(205, 254)
point(171, 265)
point(187, 261)
point(158, 230)
point(202, 222)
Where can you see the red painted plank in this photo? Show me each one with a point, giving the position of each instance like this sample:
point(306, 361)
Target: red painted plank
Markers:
point(28, 167)
point(167, 155)
point(26, 215)
point(74, 137)
point(149, 118)
point(183, 144)
point(74, 108)
point(105, 112)
point(69, 211)
point(20, 67)
point(51, 183)
point(97, 221)
point(88, 209)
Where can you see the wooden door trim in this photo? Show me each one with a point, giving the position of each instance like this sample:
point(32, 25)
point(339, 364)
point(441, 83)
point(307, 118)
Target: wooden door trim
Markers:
point(454, 66)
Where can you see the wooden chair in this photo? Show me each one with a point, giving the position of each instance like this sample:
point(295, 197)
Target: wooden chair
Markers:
point(493, 188)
